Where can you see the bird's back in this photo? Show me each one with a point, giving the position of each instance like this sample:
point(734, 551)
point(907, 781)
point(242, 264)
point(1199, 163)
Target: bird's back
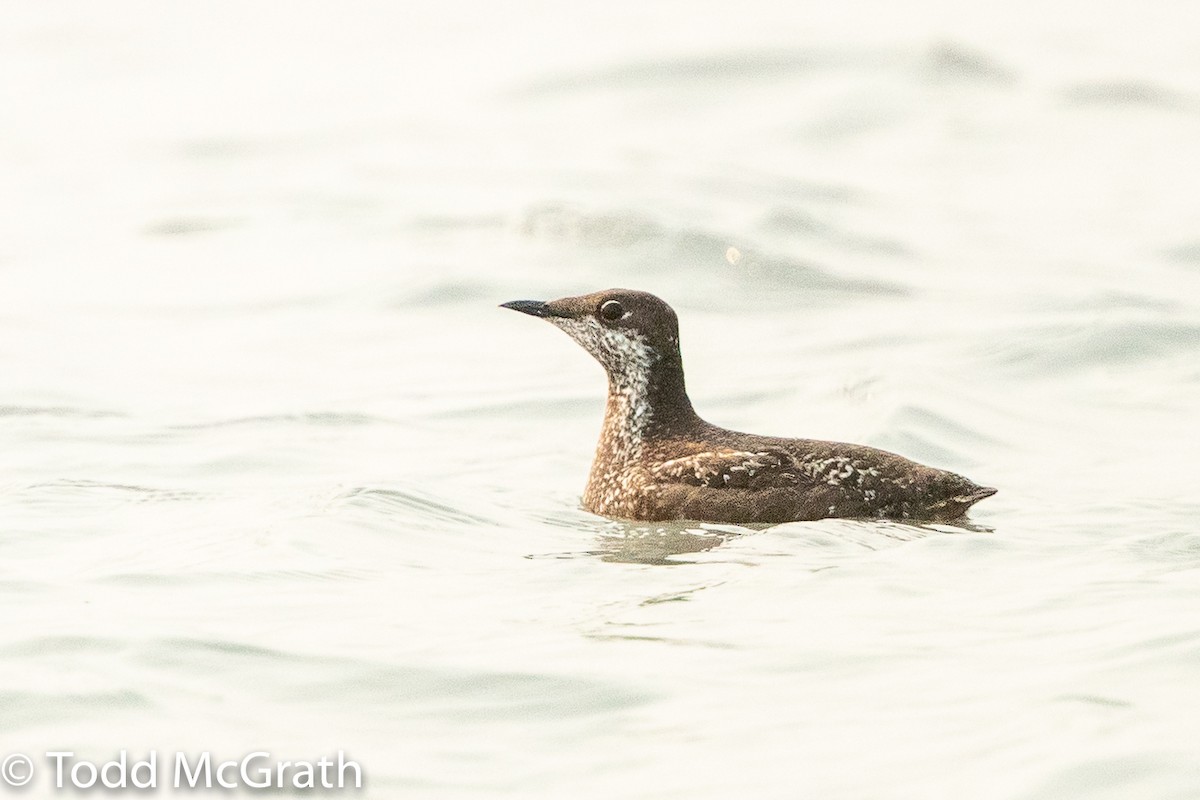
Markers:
point(725, 476)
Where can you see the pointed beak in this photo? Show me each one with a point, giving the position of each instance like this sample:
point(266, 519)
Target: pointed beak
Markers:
point(534, 308)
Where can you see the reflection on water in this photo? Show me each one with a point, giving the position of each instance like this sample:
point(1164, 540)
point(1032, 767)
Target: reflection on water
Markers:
point(660, 543)
point(636, 544)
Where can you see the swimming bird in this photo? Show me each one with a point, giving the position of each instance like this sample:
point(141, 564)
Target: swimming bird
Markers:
point(658, 460)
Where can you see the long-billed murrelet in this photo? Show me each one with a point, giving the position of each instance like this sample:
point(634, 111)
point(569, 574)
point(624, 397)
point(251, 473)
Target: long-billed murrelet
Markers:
point(657, 460)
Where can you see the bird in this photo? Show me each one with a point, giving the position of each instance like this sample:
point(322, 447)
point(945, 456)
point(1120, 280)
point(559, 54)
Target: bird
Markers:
point(657, 460)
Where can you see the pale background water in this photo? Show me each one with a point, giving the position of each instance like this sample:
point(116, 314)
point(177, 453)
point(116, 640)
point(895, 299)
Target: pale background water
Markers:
point(279, 475)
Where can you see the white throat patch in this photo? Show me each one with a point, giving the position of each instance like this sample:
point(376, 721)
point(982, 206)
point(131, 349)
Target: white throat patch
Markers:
point(628, 359)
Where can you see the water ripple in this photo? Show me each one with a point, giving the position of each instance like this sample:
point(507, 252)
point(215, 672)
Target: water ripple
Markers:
point(1054, 348)
point(703, 69)
point(23, 709)
point(407, 506)
point(319, 418)
point(100, 492)
point(1122, 93)
point(947, 61)
point(437, 692)
point(56, 411)
point(673, 246)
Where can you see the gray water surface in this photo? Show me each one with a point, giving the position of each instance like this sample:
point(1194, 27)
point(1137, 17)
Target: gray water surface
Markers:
point(278, 475)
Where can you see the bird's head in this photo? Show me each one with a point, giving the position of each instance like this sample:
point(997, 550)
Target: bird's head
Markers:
point(627, 331)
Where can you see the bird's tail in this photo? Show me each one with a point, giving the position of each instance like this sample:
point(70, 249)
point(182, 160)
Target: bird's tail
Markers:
point(957, 504)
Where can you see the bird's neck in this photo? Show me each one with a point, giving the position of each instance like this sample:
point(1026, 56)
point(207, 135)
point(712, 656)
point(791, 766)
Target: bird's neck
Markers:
point(643, 404)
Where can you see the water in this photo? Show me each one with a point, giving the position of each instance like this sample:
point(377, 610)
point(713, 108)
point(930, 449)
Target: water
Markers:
point(279, 475)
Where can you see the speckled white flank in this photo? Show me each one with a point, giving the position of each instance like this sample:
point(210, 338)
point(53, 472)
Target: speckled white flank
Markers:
point(704, 467)
point(838, 471)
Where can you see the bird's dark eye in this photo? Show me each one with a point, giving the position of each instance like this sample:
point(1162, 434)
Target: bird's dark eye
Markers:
point(611, 310)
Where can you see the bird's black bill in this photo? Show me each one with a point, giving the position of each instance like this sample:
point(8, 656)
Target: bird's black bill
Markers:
point(535, 308)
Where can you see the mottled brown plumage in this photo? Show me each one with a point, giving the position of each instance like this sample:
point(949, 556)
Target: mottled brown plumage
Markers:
point(657, 460)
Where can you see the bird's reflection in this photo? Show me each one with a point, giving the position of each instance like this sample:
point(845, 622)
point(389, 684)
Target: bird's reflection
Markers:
point(664, 542)
point(654, 543)
point(659, 544)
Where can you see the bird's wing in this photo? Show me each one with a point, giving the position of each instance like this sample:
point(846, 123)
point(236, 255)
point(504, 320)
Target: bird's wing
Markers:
point(766, 469)
point(769, 485)
point(732, 469)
